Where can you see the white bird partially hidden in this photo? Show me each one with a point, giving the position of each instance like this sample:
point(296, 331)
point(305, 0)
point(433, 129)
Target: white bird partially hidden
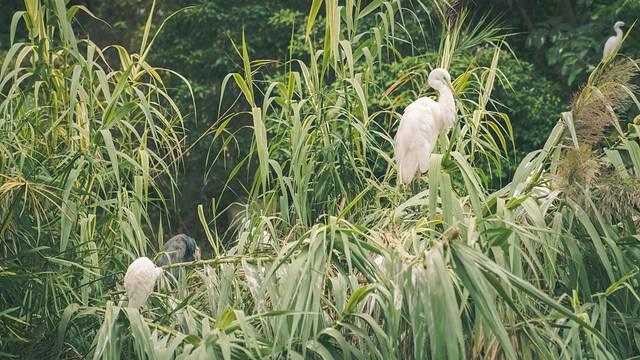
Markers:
point(140, 280)
point(420, 125)
point(613, 41)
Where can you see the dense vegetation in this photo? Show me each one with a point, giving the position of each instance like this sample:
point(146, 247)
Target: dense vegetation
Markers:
point(104, 149)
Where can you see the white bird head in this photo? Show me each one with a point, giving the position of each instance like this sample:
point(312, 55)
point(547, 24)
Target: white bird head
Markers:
point(439, 79)
point(618, 25)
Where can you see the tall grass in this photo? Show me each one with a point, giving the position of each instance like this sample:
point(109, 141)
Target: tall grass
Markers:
point(81, 141)
point(332, 258)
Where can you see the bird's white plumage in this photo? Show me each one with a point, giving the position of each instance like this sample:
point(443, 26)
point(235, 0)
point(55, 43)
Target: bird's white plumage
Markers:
point(613, 41)
point(420, 125)
point(416, 139)
point(140, 280)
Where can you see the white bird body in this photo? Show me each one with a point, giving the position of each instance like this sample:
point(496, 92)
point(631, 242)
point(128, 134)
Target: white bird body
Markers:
point(420, 125)
point(613, 41)
point(140, 280)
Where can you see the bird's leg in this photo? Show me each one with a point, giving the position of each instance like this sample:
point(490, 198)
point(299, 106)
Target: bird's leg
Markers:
point(415, 186)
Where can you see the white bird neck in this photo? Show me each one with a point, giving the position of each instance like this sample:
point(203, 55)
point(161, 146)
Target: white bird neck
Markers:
point(618, 30)
point(447, 104)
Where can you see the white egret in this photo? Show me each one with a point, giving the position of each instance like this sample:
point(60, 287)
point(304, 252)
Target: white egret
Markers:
point(180, 248)
point(140, 280)
point(420, 125)
point(613, 41)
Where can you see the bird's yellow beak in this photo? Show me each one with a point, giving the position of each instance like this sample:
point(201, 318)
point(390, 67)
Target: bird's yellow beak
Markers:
point(451, 88)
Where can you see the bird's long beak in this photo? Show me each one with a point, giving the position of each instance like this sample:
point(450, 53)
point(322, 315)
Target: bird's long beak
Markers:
point(451, 88)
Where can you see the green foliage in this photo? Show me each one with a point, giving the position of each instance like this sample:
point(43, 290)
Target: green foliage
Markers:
point(198, 43)
point(532, 101)
point(565, 38)
point(330, 259)
point(81, 144)
point(573, 52)
point(9, 7)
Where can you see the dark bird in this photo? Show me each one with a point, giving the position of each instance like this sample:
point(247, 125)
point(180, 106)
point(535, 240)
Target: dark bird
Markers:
point(180, 248)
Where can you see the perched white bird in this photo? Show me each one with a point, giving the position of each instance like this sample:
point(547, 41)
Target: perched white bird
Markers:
point(420, 125)
point(140, 280)
point(613, 41)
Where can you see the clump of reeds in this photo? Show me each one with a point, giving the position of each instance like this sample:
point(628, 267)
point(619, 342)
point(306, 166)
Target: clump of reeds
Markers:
point(607, 92)
point(578, 170)
point(618, 195)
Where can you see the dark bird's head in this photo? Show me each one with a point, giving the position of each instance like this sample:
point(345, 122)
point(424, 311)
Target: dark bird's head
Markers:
point(191, 249)
point(180, 248)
